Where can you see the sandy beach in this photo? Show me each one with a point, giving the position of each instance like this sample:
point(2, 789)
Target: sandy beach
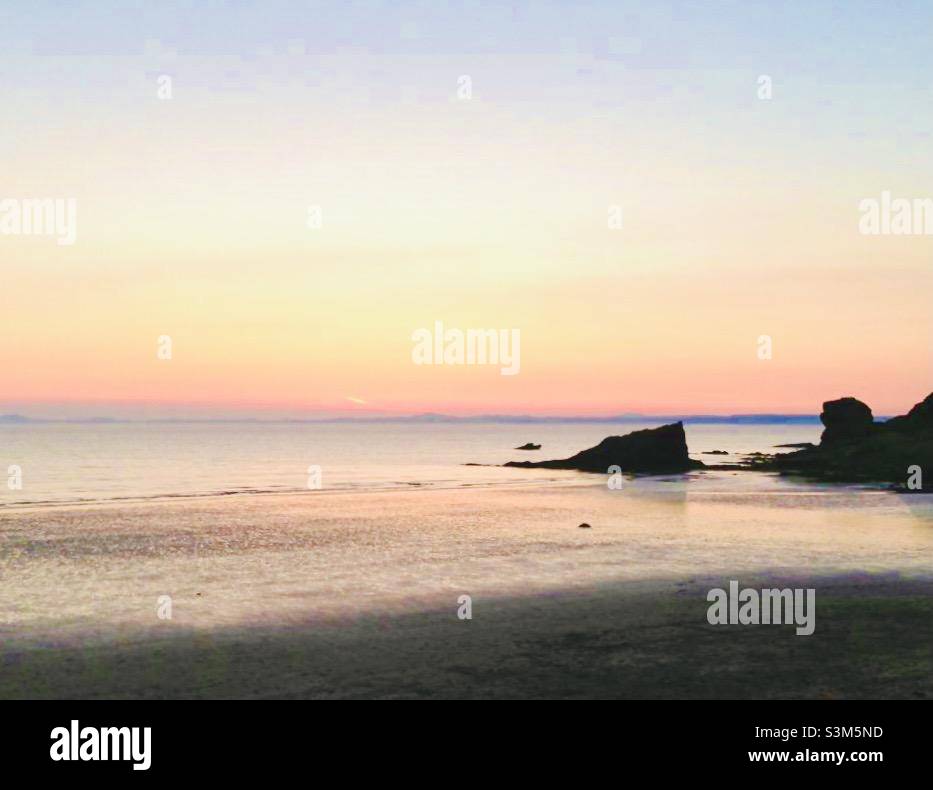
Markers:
point(340, 595)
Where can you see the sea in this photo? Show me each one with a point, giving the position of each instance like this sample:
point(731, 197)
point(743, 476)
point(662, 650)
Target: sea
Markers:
point(56, 463)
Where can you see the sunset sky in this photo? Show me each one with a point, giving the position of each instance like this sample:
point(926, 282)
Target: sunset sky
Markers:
point(739, 215)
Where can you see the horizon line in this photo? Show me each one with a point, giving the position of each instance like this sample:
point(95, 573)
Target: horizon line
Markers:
point(434, 417)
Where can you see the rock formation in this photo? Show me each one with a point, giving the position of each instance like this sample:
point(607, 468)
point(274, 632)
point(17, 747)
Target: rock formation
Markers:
point(651, 451)
point(918, 421)
point(845, 419)
point(855, 448)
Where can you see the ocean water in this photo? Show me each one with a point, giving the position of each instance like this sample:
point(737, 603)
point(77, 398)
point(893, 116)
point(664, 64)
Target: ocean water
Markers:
point(84, 462)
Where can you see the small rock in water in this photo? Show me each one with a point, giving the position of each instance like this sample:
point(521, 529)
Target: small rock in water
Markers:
point(584, 525)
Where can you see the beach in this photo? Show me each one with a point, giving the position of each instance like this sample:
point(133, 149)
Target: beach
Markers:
point(330, 594)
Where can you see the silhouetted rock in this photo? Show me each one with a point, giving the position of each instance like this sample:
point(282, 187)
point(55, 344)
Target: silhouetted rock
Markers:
point(845, 419)
point(919, 420)
point(529, 446)
point(715, 452)
point(651, 451)
point(854, 448)
point(584, 525)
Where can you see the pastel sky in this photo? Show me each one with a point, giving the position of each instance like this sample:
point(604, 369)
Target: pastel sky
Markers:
point(740, 216)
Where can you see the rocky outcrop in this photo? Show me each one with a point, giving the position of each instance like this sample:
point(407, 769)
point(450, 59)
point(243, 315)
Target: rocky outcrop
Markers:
point(529, 446)
point(845, 419)
point(651, 451)
point(855, 448)
point(918, 421)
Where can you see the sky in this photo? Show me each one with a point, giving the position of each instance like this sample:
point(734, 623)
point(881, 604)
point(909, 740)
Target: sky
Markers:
point(461, 163)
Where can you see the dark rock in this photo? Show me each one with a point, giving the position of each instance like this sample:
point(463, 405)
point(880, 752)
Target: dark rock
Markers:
point(651, 451)
point(845, 419)
point(529, 446)
point(584, 525)
point(919, 420)
point(715, 452)
point(797, 445)
point(853, 449)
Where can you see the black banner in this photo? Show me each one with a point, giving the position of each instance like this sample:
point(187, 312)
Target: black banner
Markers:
point(234, 739)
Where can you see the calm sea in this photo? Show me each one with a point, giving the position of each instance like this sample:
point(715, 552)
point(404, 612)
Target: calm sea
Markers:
point(76, 462)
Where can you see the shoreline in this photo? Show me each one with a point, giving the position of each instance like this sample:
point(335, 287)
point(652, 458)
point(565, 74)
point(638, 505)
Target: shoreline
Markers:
point(584, 479)
point(161, 499)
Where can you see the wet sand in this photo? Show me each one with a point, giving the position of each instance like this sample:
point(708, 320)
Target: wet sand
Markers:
point(356, 596)
point(874, 639)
